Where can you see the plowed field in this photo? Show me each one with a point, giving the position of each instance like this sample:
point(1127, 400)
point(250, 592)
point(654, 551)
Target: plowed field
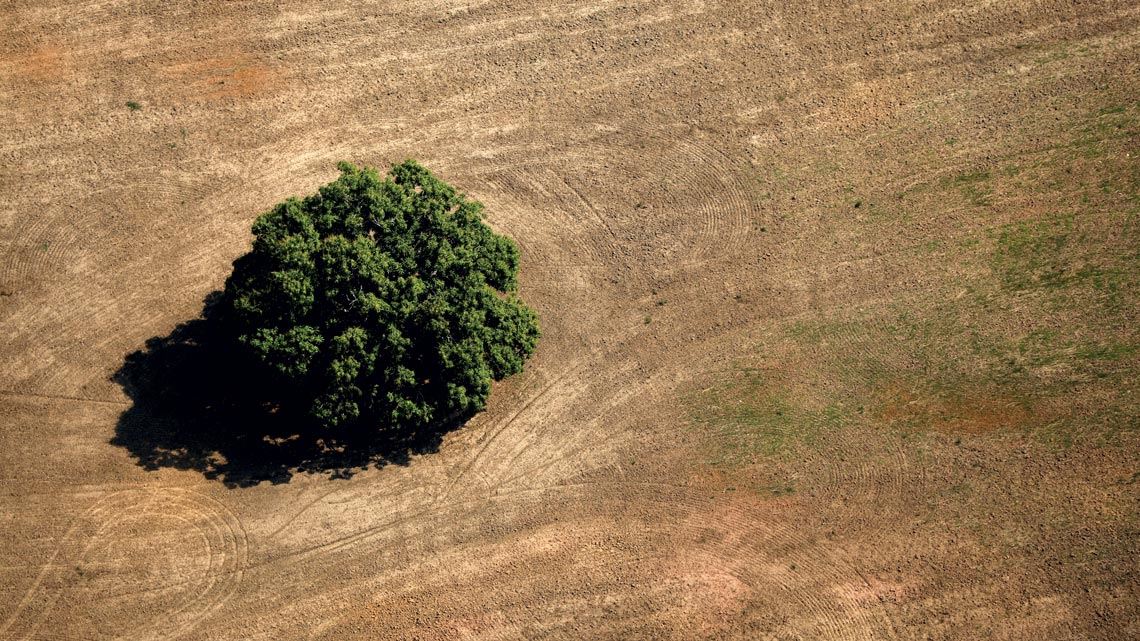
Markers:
point(840, 302)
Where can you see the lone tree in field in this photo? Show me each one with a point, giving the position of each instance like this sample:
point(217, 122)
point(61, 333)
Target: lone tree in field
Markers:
point(380, 304)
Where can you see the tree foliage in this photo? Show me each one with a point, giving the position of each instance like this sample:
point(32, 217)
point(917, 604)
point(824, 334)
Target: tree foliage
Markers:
point(380, 303)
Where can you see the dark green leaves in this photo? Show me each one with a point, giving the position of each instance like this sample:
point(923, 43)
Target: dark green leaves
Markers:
point(381, 303)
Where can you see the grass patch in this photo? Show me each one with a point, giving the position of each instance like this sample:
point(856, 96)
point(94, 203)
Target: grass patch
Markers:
point(1093, 267)
point(750, 416)
point(961, 366)
point(133, 106)
point(1031, 254)
point(1116, 122)
point(974, 188)
point(1035, 334)
point(782, 490)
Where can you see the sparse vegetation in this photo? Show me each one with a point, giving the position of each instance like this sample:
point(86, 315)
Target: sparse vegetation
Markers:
point(750, 416)
point(974, 187)
point(994, 351)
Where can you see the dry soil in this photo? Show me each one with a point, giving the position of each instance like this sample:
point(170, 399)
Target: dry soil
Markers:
point(839, 305)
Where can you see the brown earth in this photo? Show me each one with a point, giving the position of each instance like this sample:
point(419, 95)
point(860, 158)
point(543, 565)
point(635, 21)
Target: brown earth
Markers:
point(914, 224)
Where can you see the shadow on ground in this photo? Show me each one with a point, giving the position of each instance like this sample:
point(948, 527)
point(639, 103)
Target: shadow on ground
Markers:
point(196, 407)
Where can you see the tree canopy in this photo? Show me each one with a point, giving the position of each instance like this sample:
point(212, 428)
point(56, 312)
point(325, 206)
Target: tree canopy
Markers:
point(380, 303)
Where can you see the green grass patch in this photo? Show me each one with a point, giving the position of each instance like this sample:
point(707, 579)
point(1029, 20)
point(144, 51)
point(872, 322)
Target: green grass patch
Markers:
point(1116, 122)
point(1031, 254)
point(974, 187)
point(1034, 330)
point(962, 366)
point(781, 490)
point(749, 416)
point(1083, 264)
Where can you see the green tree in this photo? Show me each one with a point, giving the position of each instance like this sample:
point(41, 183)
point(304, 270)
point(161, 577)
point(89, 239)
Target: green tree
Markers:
point(380, 303)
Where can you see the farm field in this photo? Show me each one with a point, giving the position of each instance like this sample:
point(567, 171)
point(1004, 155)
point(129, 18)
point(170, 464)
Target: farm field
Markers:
point(840, 307)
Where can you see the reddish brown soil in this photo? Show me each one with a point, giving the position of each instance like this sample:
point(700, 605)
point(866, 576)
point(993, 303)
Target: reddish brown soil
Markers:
point(680, 177)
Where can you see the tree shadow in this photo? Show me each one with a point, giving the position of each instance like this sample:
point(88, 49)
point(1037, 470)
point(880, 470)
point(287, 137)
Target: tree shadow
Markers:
point(197, 406)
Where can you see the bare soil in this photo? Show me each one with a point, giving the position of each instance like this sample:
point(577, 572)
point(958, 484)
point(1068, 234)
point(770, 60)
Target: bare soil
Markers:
point(839, 305)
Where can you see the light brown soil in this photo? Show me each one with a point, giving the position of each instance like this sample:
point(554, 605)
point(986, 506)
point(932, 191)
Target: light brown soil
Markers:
point(695, 187)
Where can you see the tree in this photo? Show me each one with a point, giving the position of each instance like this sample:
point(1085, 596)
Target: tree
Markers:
point(379, 304)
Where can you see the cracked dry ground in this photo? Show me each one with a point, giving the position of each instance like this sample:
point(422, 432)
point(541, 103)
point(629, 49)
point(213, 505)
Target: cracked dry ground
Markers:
point(839, 303)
